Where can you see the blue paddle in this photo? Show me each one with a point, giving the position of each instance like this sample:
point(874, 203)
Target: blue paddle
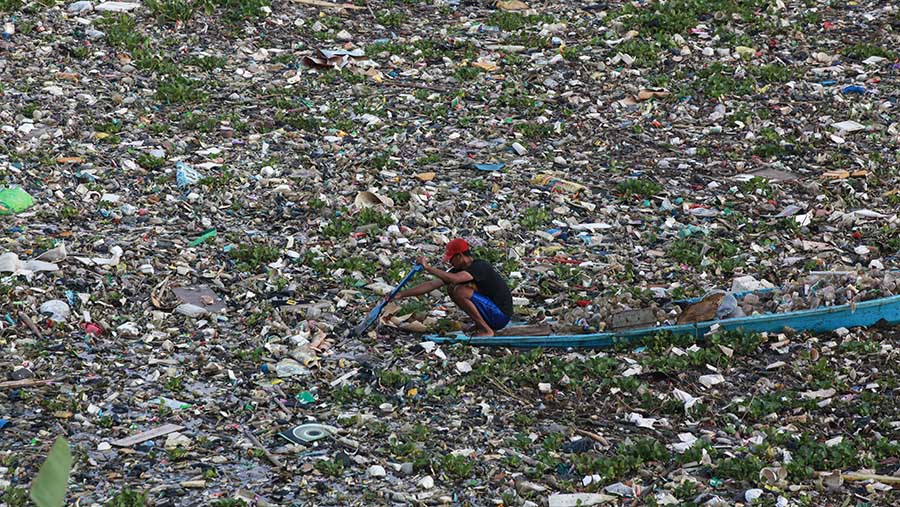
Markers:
point(373, 315)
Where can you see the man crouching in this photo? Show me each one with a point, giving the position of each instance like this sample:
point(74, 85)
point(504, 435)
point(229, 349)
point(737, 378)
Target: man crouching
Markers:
point(473, 284)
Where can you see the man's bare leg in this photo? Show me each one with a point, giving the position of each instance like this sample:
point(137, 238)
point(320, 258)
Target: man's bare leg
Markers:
point(462, 296)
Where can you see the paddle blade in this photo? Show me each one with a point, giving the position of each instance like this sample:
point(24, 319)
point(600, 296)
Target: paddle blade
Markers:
point(369, 320)
point(373, 315)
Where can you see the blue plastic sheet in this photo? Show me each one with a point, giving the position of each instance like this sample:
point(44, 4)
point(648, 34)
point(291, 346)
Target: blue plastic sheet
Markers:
point(489, 167)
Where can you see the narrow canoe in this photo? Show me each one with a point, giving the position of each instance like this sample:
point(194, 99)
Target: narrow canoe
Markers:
point(820, 320)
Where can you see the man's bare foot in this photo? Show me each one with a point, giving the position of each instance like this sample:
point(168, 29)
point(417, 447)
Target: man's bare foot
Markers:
point(488, 333)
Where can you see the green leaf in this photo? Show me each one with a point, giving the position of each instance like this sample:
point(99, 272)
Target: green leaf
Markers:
point(49, 487)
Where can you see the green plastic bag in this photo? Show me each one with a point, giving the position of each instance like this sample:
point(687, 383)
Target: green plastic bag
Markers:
point(49, 487)
point(14, 200)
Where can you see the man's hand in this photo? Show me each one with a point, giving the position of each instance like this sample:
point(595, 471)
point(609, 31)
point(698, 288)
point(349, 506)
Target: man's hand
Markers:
point(424, 262)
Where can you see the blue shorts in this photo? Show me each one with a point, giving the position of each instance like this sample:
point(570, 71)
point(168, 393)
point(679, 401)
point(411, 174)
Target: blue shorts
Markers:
point(489, 311)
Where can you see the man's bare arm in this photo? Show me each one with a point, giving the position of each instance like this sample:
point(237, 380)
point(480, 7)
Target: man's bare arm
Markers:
point(418, 290)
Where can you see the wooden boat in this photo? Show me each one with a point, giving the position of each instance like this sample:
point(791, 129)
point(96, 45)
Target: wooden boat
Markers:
point(820, 320)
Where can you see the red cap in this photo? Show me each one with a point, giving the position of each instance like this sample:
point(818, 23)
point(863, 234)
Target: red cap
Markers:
point(455, 246)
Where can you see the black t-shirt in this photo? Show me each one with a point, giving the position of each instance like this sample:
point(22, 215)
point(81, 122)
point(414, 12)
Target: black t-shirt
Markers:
point(491, 284)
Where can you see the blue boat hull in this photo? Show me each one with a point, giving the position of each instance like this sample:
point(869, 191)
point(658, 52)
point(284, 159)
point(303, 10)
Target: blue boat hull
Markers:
point(819, 320)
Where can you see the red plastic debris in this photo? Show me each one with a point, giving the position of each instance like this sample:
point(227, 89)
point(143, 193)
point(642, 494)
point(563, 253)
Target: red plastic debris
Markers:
point(92, 329)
